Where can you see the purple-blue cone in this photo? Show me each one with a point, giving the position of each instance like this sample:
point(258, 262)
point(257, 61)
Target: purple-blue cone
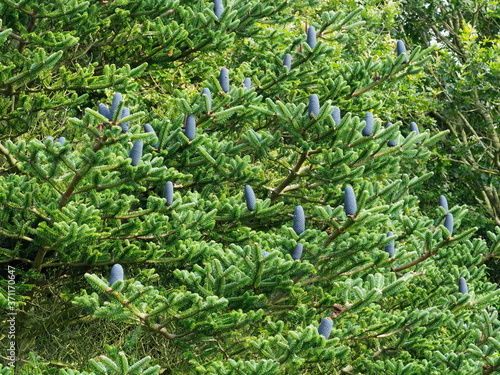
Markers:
point(136, 153)
point(249, 198)
point(117, 98)
point(336, 115)
point(297, 251)
point(390, 143)
point(325, 327)
point(389, 248)
point(311, 37)
point(462, 286)
point(443, 202)
point(414, 128)
point(190, 130)
point(149, 129)
point(448, 223)
point(104, 110)
point(125, 125)
point(224, 79)
point(287, 61)
point(313, 108)
point(369, 123)
point(115, 274)
point(350, 205)
point(299, 221)
point(168, 193)
point(400, 48)
point(218, 8)
point(206, 92)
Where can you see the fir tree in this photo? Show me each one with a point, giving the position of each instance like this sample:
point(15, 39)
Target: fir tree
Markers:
point(216, 272)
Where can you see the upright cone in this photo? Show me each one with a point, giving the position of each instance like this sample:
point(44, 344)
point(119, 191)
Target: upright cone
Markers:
point(313, 108)
point(299, 221)
point(250, 198)
point(115, 274)
point(325, 327)
point(311, 37)
point(224, 79)
point(350, 205)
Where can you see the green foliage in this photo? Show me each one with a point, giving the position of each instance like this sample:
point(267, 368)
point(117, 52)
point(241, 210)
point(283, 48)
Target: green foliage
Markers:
point(56, 58)
point(210, 268)
point(463, 83)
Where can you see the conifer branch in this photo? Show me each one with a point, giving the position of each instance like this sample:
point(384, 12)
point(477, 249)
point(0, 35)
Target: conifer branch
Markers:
point(137, 236)
point(349, 273)
point(316, 279)
point(424, 256)
point(18, 236)
point(291, 176)
point(281, 77)
point(79, 176)
point(102, 187)
point(294, 173)
point(489, 369)
point(348, 223)
point(492, 128)
point(17, 37)
point(377, 82)
point(107, 263)
point(16, 6)
point(379, 336)
point(374, 156)
point(131, 215)
point(32, 210)
point(10, 159)
point(369, 87)
point(40, 255)
point(414, 262)
point(143, 318)
point(25, 260)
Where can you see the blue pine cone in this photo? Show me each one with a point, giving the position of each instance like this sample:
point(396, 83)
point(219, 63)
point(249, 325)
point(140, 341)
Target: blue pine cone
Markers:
point(190, 129)
point(136, 153)
point(287, 61)
point(369, 124)
point(462, 286)
point(350, 205)
point(336, 115)
point(443, 202)
point(313, 108)
point(391, 143)
point(168, 193)
point(448, 223)
point(389, 248)
point(250, 197)
point(400, 48)
point(311, 37)
point(218, 8)
point(297, 251)
point(299, 221)
point(224, 79)
point(207, 93)
point(115, 274)
point(325, 327)
point(414, 128)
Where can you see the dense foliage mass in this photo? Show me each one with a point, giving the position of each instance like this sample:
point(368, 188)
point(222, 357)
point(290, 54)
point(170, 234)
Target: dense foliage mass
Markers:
point(230, 187)
point(464, 82)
